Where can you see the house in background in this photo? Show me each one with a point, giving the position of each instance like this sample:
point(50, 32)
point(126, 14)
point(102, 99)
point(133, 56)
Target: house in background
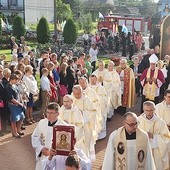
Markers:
point(30, 10)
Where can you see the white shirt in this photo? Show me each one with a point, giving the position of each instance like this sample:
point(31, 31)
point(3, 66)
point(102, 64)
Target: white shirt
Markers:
point(93, 54)
point(45, 83)
point(58, 161)
point(31, 84)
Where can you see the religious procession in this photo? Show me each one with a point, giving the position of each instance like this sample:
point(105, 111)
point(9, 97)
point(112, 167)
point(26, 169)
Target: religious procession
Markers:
point(104, 108)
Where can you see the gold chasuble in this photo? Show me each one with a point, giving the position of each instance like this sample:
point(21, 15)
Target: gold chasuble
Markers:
point(121, 150)
point(128, 97)
point(150, 88)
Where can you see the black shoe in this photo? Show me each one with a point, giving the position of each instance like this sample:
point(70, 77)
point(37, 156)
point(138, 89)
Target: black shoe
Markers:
point(109, 119)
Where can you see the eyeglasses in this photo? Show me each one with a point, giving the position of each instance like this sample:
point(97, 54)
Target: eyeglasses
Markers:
point(132, 124)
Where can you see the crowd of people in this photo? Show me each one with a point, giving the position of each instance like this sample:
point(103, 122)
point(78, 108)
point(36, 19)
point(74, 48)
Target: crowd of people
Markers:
point(84, 92)
point(115, 43)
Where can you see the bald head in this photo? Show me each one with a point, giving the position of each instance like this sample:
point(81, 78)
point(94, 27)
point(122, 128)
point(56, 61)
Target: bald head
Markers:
point(123, 63)
point(131, 122)
point(67, 101)
point(77, 91)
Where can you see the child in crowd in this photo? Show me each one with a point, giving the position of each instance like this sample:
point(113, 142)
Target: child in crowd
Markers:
point(88, 65)
point(45, 90)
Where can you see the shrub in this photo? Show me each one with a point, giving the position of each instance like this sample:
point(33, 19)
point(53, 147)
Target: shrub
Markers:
point(70, 32)
point(0, 26)
point(43, 32)
point(18, 27)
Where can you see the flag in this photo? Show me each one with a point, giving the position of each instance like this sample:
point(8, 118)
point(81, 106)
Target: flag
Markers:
point(124, 29)
point(63, 25)
point(101, 16)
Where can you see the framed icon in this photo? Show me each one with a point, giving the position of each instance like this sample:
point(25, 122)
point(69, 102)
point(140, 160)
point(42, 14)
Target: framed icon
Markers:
point(141, 155)
point(63, 139)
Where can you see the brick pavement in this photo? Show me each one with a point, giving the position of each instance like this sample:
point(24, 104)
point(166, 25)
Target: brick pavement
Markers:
point(17, 154)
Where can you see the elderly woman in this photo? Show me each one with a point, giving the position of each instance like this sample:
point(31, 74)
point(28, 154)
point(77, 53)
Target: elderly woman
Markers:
point(31, 83)
point(16, 106)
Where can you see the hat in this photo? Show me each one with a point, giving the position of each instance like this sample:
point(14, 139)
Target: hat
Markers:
point(153, 59)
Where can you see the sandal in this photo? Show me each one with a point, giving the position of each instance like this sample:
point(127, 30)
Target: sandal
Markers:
point(28, 121)
point(32, 120)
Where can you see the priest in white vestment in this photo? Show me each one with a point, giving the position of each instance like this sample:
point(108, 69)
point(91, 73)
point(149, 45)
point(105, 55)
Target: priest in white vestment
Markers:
point(103, 99)
point(128, 148)
point(89, 92)
point(43, 134)
point(115, 90)
point(105, 78)
point(163, 111)
point(158, 134)
point(89, 112)
point(73, 116)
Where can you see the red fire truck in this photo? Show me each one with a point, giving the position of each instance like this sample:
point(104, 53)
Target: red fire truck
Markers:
point(132, 23)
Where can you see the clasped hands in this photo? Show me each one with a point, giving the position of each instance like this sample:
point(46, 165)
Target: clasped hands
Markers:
point(151, 80)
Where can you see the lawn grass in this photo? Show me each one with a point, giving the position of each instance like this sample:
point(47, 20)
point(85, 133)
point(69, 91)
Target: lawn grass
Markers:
point(6, 52)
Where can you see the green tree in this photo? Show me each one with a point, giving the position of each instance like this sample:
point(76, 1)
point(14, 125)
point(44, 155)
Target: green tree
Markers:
point(43, 32)
point(18, 27)
point(76, 6)
point(70, 32)
point(63, 11)
point(0, 26)
point(87, 22)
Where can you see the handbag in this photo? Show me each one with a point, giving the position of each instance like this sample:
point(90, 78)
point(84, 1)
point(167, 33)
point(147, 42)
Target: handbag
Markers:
point(63, 90)
point(1, 103)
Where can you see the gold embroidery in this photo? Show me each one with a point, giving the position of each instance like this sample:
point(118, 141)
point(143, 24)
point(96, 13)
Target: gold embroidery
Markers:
point(42, 139)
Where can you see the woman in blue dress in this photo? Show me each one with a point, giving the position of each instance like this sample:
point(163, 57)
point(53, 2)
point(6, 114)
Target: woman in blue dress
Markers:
point(15, 105)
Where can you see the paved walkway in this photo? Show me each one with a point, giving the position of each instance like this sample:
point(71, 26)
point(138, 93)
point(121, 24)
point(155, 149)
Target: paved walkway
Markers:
point(17, 154)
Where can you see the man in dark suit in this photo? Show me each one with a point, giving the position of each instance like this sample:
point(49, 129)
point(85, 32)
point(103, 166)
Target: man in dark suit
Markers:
point(145, 61)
